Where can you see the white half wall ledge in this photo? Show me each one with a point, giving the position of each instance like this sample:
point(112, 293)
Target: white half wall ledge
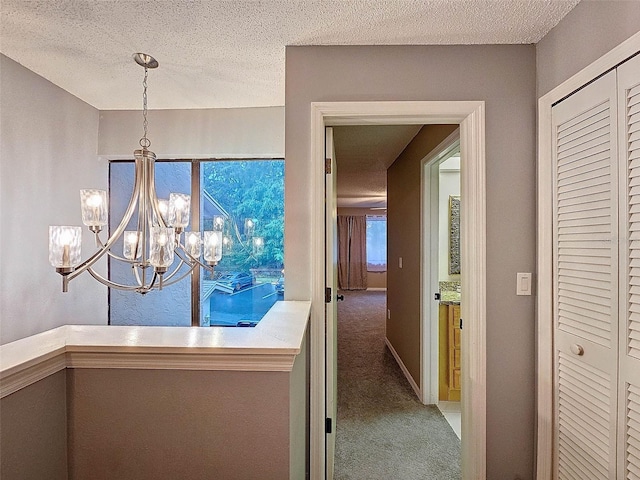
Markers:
point(270, 346)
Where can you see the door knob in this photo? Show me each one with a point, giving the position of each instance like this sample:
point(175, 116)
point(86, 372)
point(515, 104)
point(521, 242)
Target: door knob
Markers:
point(577, 349)
point(340, 297)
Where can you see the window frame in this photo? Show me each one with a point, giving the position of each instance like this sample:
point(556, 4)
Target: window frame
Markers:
point(195, 193)
point(377, 218)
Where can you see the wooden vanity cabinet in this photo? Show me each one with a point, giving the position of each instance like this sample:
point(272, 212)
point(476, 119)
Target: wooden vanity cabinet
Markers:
point(454, 351)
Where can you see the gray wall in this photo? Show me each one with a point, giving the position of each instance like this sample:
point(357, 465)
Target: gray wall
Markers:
point(33, 431)
point(588, 31)
point(48, 147)
point(504, 77)
point(209, 133)
point(404, 222)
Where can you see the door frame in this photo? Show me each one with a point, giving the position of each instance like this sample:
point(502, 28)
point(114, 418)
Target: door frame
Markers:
point(429, 272)
point(470, 115)
point(544, 306)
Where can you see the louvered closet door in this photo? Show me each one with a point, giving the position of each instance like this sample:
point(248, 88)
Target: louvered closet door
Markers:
point(629, 376)
point(586, 282)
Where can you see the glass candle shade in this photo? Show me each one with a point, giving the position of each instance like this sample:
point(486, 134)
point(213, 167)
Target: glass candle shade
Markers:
point(213, 246)
point(161, 247)
point(65, 245)
point(218, 223)
point(132, 247)
point(249, 225)
point(227, 244)
point(179, 207)
point(163, 205)
point(193, 244)
point(258, 246)
point(94, 207)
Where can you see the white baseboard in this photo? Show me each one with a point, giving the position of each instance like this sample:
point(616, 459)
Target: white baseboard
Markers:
point(413, 384)
point(377, 289)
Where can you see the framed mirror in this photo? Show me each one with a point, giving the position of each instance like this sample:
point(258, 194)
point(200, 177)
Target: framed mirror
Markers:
point(454, 234)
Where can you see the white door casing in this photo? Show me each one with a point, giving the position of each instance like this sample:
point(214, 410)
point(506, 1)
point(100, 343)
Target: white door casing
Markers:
point(470, 115)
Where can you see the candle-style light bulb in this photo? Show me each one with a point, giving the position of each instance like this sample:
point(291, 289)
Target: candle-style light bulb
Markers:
point(161, 248)
point(212, 247)
point(94, 208)
point(179, 206)
point(193, 244)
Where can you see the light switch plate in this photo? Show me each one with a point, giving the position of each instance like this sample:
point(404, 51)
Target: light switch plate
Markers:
point(523, 284)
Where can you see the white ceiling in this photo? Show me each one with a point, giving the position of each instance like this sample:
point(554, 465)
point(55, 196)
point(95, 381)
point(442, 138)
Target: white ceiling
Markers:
point(224, 53)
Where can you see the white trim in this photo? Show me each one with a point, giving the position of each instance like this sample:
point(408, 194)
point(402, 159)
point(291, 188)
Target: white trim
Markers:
point(470, 115)
point(45, 366)
point(179, 361)
point(544, 306)
point(376, 289)
point(271, 346)
point(429, 322)
point(403, 367)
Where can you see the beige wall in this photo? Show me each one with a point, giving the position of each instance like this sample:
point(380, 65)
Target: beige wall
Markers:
point(404, 206)
point(588, 31)
point(48, 146)
point(158, 424)
point(33, 432)
point(504, 77)
point(374, 279)
point(150, 424)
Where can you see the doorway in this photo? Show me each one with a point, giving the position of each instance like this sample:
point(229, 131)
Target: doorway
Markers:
point(441, 273)
point(470, 116)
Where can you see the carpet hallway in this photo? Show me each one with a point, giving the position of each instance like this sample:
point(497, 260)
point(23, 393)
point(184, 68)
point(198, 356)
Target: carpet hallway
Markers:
point(383, 431)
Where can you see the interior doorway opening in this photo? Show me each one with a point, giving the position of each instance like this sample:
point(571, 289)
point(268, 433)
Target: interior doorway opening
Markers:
point(470, 116)
point(374, 399)
point(441, 273)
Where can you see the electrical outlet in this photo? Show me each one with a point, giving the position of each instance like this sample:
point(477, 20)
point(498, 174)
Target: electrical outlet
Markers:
point(400, 262)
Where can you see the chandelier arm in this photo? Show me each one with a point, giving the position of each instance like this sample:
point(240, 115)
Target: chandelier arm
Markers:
point(155, 204)
point(169, 276)
point(88, 263)
point(179, 279)
point(144, 223)
point(191, 259)
point(141, 286)
point(121, 259)
point(113, 255)
point(110, 283)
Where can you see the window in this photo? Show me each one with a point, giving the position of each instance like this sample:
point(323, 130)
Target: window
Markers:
point(246, 199)
point(376, 243)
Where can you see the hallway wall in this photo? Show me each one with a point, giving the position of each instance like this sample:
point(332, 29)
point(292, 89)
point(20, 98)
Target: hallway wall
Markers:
point(504, 77)
point(404, 212)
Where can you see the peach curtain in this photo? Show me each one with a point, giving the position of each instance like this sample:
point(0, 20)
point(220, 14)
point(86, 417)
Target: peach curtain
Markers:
point(352, 252)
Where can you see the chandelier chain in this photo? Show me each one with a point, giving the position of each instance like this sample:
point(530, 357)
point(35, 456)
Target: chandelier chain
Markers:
point(144, 141)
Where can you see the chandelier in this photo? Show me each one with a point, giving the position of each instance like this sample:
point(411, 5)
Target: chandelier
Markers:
point(153, 248)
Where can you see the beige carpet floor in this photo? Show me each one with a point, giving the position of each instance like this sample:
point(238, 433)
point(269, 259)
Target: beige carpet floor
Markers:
point(383, 431)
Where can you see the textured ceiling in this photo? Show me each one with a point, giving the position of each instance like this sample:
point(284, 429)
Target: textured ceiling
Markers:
point(363, 154)
point(224, 54)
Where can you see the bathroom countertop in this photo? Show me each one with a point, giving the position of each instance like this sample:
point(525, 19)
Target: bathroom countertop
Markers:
point(450, 298)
